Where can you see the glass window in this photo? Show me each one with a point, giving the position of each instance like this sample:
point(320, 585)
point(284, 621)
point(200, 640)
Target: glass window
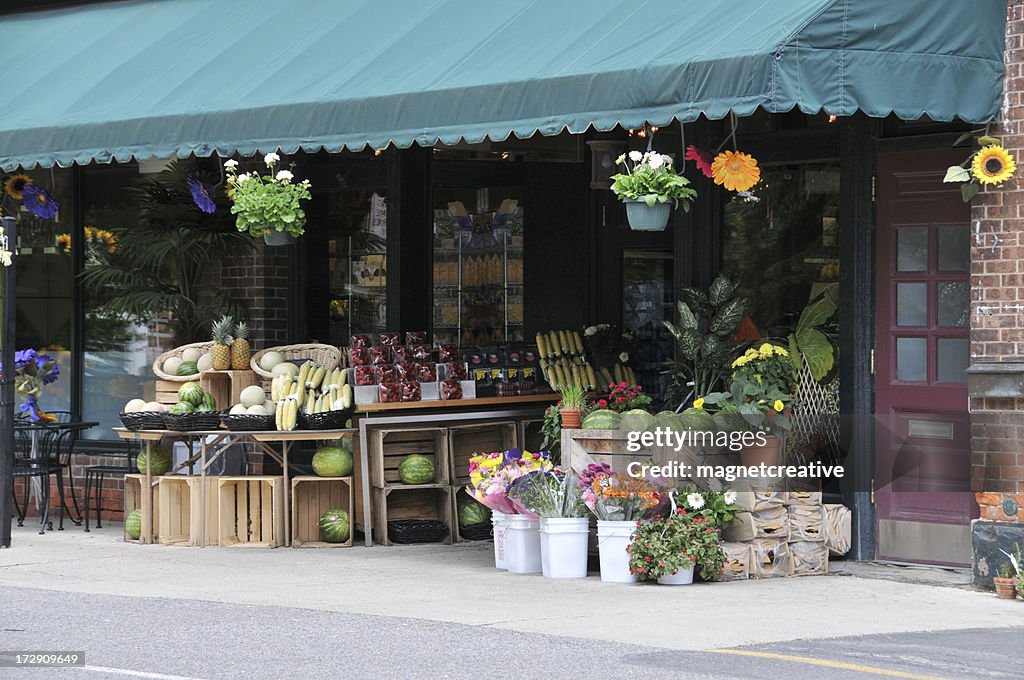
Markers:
point(953, 359)
point(358, 264)
point(912, 249)
point(912, 304)
point(911, 359)
point(647, 301)
point(953, 303)
point(954, 249)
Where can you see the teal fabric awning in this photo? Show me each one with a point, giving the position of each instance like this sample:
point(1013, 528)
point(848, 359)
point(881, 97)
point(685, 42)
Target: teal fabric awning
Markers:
point(145, 78)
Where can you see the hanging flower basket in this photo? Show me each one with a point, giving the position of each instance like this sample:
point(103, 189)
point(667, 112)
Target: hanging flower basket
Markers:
point(650, 187)
point(278, 238)
point(643, 217)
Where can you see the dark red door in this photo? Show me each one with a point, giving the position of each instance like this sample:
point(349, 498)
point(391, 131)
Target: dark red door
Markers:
point(922, 453)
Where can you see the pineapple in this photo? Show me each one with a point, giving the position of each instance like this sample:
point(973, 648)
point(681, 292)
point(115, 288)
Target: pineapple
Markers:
point(221, 339)
point(240, 352)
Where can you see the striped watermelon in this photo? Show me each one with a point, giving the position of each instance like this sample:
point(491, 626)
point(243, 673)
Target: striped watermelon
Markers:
point(335, 526)
point(416, 469)
point(161, 461)
point(133, 525)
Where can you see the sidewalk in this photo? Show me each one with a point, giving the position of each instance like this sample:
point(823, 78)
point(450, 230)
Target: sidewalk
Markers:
point(459, 584)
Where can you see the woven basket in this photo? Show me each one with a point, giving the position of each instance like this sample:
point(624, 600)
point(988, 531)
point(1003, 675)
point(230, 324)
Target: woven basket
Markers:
point(191, 422)
point(177, 352)
point(476, 532)
point(327, 356)
point(332, 420)
point(417, 530)
point(142, 420)
point(247, 422)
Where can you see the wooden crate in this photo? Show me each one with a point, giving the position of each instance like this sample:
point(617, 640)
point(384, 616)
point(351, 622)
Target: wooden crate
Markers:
point(771, 558)
point(530, 436)
point(837, 528)
point(460, 493)
point(411, 502)
point(387, 448)
point(133, 490)
point(251, 511)
point(179, 510)
point(311, 497)
point(166, 391)
point(738, 559)
point(806, 523)
point(226, 386)
point(465, 441)
point(808, 557)
point(771, 522)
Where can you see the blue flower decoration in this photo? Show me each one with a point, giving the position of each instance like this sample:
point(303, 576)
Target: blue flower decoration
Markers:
point(201, 195)
point(39, 202)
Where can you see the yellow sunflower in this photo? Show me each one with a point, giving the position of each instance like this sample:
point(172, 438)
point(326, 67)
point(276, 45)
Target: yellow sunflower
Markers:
point(993, 165)
point(735, 170)
point(15, 184)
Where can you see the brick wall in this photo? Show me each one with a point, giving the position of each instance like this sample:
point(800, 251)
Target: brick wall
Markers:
point(997, 293)
point(260, 279)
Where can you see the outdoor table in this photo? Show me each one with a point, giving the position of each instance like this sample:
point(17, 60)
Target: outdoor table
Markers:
point(57, 430)
point(210, 451)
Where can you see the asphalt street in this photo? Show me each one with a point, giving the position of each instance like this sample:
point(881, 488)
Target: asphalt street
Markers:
point(170, 639)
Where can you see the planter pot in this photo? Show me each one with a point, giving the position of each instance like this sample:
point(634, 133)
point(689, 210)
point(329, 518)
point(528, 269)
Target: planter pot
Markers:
point(682, 577)
point(1006, 588)
point(499, 523)
point(570, 418)
point(522, 544)
point(612, 539)
point(642, 217)
point(563, 546)
point(769, 454)
point(278, 238)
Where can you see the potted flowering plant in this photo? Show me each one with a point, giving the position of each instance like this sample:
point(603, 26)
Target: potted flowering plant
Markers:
point(669, 549)
point(718, 508)
point(1011, 576)
point(623, 397)
point(650, 187)
point(268, 205)
point(33, 371)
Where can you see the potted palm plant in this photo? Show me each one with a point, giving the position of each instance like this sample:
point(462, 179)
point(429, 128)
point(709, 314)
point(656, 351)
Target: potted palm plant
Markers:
point(650, 187)
point(574, 402)
point(268, 205)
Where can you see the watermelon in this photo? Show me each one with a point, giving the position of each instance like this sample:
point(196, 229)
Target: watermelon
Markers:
point(182, 407)
point(208, 403)
point(192, 393)
point(187, 368)
point(601, 419)
point(161, 461)
point(637, 420)
point(416, 469)
point(472, 513)
point(667, 420)
point(335, 526)
point(133, 525)
point(332, 461)
point(698, 419)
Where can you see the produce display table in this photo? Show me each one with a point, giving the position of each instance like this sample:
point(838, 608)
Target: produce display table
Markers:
point(210, 451)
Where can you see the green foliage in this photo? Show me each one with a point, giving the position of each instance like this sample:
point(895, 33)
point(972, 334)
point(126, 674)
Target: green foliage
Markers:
point(761, 388)
point(704, 334)
point(573, 396)
point(651, 178)
point(266, 203)
point(552, 431)
point(667, 544)
point(808, 342)
point(165, 256)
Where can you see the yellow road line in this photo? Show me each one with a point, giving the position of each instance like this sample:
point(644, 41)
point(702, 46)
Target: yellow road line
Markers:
point(829, 664)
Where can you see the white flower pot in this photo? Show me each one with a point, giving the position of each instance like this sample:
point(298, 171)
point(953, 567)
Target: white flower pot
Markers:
point(522, 544)
point(682, 577)
point(612, 539)
point(499, 524)
point(563, 546)
point(643, 217)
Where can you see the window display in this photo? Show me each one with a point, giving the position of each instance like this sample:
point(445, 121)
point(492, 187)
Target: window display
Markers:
point(357, 233)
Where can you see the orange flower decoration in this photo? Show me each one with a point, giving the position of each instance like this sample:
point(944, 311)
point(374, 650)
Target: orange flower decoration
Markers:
point(735, 170)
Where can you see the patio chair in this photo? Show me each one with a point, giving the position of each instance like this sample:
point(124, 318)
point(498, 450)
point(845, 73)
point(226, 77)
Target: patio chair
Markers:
point(95, 476)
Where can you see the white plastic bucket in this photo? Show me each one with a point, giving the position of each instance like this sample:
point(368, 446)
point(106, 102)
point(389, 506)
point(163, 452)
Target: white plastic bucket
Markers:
point(522, 544)
point(563, 546)
point(682, 577)
point(499, 524)
point(612, 539)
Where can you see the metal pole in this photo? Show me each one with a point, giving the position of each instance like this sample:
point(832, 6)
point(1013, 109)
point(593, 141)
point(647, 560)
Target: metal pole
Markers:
point(7, 332)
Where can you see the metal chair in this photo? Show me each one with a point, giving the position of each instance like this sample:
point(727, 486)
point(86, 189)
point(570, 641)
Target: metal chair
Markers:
point(63, 453)
point(33, 463)
point(95, 474)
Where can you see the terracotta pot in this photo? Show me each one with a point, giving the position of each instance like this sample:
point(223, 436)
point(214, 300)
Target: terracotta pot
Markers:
point(571, 418)
point(769, 454)
point(1006, 588)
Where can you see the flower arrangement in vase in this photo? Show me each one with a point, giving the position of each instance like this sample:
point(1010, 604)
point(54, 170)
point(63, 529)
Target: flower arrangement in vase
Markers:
point(33, 371)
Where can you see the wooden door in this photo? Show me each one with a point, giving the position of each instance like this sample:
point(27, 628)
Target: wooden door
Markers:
point(922, 453)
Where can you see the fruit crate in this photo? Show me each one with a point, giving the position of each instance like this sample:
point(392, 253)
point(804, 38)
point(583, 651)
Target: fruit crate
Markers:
point(166, 392)
point(180, 511)
point(387, 448)
point(469, 440)
point(412, 502)
point(530, 436)
point(311, 497)
point(251, 511)
point(133, 490)
point(226, 386)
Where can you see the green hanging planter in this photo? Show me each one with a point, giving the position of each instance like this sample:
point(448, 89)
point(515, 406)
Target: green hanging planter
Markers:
point(643, 217)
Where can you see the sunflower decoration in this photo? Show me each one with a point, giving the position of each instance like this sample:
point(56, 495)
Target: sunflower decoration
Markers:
point(64, 243)
point(735, 170)
point(15, 184)
point(993, 165)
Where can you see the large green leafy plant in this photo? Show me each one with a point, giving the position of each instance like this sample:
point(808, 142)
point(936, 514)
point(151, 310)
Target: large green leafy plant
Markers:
point(808, 342)
point(704, 338)
point(166, 256)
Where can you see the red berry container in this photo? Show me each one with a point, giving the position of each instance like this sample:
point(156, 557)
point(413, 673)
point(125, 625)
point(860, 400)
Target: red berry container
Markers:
point(456, 370)
point(407, 370)
point(416, 338)
point(451, 389)
point(390, 339)
point(447, 353)
point(427, 372)
point(411, 390)
point(390, 393)
point(420, 352)
point(385, 374)
point(358, 356)
point(401, 354)
point(380, 356)
point(359, 342)
point(364, 375)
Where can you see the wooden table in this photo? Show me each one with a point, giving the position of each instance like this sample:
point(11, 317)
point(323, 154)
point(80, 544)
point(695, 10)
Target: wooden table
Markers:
point(210, 451)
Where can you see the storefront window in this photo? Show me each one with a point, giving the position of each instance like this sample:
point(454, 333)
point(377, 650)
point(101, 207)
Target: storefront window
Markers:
point(781, 243)
point(478, 265)
point(648, 300)
point(358, 265)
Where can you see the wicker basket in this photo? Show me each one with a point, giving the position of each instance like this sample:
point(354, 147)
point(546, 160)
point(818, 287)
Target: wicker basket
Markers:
point(327, 356)
point(476, 532)
point(192, 422)
point(417, 530)
point(142, 420)
point(247, 422)
point(177, 352)
point(331, 420)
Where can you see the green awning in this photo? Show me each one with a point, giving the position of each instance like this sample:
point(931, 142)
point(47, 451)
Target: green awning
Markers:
point(112, 81)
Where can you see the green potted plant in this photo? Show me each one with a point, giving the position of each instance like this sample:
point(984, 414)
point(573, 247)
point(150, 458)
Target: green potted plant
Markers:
point(1011, 576)
point(669, 549)
point(572, 406)
point(650, 187)
point(268, 205)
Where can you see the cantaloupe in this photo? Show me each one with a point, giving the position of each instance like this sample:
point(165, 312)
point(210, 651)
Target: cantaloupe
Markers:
point(191, 354)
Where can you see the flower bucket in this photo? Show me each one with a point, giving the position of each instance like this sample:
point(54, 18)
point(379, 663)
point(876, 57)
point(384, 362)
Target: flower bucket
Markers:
point(612, 539)
point(522, 544)
point(682, 577)
point(278, 238)
point(643, 217)
point(498, 521)
point(563, 546)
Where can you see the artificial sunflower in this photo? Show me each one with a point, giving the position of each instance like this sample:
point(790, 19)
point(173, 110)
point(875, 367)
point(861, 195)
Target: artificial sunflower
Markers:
point(64, 242)
point(15, 185)
point(993, 165)
point(735, 170)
